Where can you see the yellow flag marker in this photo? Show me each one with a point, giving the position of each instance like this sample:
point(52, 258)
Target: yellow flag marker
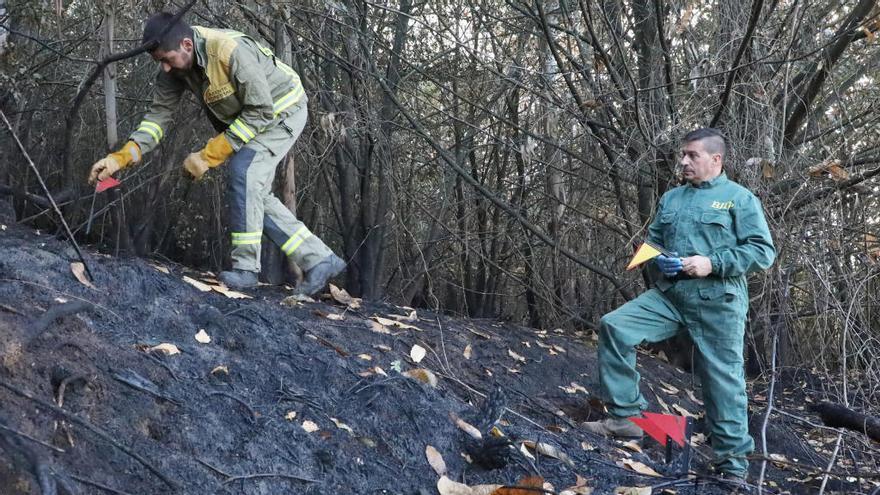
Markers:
point(645, 252)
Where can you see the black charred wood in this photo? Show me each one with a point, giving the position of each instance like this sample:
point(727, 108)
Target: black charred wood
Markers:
point(840, 416)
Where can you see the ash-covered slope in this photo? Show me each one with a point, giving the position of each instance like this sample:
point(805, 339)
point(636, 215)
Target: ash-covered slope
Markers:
point(285, 398)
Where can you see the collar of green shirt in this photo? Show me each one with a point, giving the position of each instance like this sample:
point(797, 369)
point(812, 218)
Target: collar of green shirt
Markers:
point(717, 181)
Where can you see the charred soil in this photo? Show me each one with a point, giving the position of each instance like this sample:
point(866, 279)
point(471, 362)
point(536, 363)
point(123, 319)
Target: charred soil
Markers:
point(312, 397)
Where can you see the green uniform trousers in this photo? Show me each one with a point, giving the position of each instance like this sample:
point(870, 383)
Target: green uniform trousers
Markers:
point(713, 313)
point(254, 210)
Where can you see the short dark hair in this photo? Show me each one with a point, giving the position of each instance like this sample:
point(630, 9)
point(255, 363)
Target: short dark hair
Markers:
point(715, 141)
point(157, 23)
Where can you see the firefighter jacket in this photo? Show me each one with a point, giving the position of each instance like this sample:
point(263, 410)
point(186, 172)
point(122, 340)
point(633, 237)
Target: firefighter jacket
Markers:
point(244, 88)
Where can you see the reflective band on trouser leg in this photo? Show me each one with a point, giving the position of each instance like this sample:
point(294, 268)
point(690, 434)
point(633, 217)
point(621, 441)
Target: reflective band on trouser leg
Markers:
point(245, 210)
point(242, 238)
point(295, 240)
point(153, 129)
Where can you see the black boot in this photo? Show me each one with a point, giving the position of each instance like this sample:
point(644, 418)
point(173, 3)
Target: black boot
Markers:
point(317, 278)
point(239, 279)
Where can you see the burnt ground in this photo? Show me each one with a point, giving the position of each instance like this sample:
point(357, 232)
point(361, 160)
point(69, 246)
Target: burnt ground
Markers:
point(97, 398)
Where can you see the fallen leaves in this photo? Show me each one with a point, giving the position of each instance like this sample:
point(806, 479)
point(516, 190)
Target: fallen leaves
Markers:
point(632, 490)
point(387, 322)
point(574, 388)
point(448, 487)
point(417, 353)
point(343, 297)
point(435, 460)
point(342, 426)
point(639, 467)
point(197, 284)
point(549, 451)
point(220, 289)
point(220, 369)
point(202, 337)
point(290, 416)
point(164, 348)
point(79, 271)
point(423, 375)
point(466, 427)
point(468, 351)
point(516, 356)
point(296, 300)
point(310, 426)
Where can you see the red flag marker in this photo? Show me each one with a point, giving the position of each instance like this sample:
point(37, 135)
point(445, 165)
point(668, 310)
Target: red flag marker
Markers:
point(108, 183)
point(661, 426)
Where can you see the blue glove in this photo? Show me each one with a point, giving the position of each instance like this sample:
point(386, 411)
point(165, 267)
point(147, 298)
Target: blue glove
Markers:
point(669, 266)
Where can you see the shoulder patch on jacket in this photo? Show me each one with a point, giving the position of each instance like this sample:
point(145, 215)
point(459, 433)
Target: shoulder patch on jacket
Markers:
point(219, 46)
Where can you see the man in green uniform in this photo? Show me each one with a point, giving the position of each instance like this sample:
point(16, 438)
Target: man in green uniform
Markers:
point(257, 105)
point(719, 230)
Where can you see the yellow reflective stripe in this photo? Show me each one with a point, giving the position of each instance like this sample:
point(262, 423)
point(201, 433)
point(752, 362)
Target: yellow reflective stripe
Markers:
point(287, 100)
point(296, 244)
point(295, 240)
point(246, 128)
point(245, 241)
point(242, 238)
point(247, 234)
point(152, 129)
point(147, 123)
point(242, 130)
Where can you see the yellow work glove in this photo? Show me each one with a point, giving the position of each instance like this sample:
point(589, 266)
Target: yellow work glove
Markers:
point(212, 155)
point(114, 162)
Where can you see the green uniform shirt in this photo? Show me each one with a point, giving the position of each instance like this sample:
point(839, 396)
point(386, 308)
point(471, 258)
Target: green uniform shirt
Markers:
point(718, 219)
point(245, 89)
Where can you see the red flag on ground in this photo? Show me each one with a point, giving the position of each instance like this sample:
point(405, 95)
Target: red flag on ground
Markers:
point(661, 426)
point(108, 183)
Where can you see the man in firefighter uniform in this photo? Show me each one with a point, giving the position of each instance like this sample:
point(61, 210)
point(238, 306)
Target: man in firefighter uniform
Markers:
point(258, 107)
point(718, 229)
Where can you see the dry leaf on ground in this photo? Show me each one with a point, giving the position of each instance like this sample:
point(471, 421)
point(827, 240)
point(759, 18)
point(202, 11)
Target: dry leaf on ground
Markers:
point(202, 337)
point(290, 416)
point(525, 486)
point(79, 271)
point(632, 445)
point(639, 467)
point(165, 348)
point(448, 487)
point(466, 427)
point(468, 351)
point(343, 297)
point(422, 375)
point(516, 356)
point(296, 299)
point(435, 460)
point(220, 369)
point(222, 289)
point(412, 316)
point(379, 328)
point(417, 353)
point(342, 426)
point(632, 490)
point(394, 323)
point(198, 285)
point(160, 268)
point(550, 451)
point(309, 426)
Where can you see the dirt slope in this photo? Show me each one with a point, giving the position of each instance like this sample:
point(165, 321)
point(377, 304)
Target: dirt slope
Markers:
point(235, 432)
